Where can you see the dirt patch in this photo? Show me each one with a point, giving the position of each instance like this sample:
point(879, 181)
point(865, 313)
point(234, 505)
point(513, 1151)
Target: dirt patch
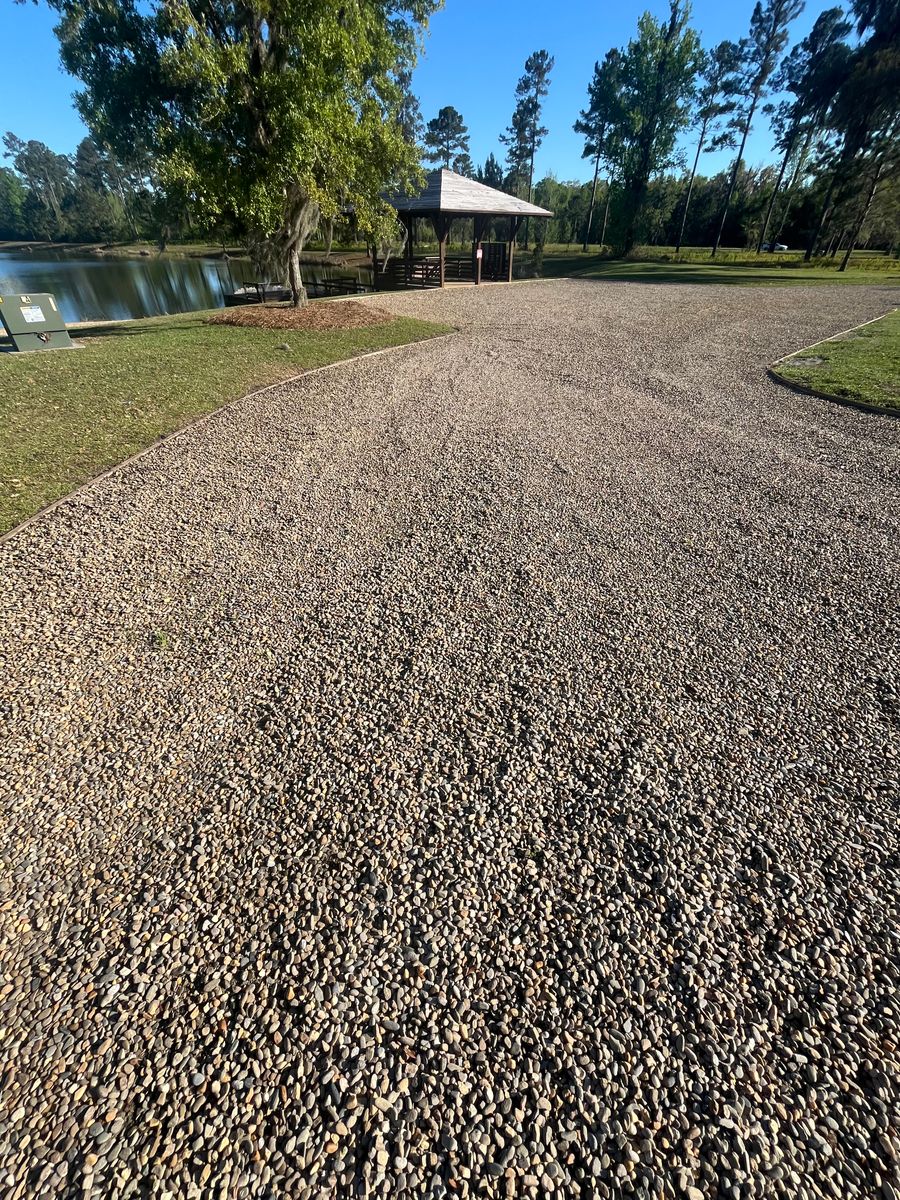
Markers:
point(347, 314)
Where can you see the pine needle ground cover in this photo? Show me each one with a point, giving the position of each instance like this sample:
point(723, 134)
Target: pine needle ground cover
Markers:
point(67, 415)
point(344, 314)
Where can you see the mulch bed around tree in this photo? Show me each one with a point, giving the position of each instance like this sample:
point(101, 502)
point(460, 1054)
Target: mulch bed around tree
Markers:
point(346, 314)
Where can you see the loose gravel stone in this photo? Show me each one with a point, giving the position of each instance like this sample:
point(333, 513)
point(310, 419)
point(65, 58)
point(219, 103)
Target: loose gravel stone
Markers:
point(470, 771)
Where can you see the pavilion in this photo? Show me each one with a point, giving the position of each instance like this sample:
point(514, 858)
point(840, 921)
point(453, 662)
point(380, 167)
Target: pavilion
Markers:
point(448, 197)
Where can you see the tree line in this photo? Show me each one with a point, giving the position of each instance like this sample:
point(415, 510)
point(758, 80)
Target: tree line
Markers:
point(833, 102)
point(272, 119)
point(92, 195)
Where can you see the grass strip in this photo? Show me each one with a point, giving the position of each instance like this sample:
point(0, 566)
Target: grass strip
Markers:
point(68, 415)
point(862, 366)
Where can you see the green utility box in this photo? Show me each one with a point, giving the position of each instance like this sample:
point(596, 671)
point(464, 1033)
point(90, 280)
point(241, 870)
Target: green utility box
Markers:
point(34, 322)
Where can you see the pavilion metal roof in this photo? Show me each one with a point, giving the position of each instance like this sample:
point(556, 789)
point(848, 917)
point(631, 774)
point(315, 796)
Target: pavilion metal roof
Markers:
point(447, 192)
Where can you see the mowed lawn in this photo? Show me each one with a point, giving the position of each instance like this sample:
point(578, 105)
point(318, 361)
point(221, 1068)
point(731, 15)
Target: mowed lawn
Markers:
point(730, 267)
point(67, 415)
point(863, 365)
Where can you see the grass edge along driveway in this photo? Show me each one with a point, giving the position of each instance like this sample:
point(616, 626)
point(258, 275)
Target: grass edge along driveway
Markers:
point(68, 415)
point(861, 366)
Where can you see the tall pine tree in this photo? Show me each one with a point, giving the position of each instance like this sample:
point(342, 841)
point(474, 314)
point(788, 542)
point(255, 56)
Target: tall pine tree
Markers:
point(447, 139)
point(525, 132)
point(599, 124)
point(716, 98)
point(760, 52)
point(658, 75)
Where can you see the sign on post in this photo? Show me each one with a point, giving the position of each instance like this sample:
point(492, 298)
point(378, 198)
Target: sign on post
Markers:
point(34, 322)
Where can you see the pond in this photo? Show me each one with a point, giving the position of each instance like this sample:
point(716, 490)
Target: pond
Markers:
point(95, 288)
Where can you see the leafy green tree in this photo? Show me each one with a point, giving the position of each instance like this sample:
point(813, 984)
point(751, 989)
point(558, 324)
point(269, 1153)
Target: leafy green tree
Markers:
point(571, 210)
point(92, 215)
point(867, 117)
point(95, 210)
point(716, 98)
point(463, 165)
point(811, 75)
point(525, 133)
point(12, 203)
point(516, 140)
point(38, 222)
point(491, 174)
point(600, 124)
point(90, 165)
point(875, 169)
point(760, 52)
point(409, 114)
point(883, 223)
point(48, 177)
point(446, 138)
point(663, 195)
point(270, 112)
point(658, 74)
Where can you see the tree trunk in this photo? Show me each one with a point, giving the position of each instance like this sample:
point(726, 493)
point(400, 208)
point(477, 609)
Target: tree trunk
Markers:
point(530, 189)
point(298, 291)
point(789, 193)
point(817, 232)
point(301, 217)
point(687, 199)
point(778, 181)
point(634, 199)
point(854, 236)
point(734, 174)
point(605, 213)
point(587, 228)
point(120, 191)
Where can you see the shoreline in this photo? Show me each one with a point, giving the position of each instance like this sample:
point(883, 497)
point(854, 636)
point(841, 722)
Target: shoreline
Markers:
point(195, 250)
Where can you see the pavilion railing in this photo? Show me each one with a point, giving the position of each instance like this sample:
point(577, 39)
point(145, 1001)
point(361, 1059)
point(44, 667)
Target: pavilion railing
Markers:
point(424, 270)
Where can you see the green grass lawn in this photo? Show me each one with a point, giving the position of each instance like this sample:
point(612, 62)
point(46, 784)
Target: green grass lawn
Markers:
point(66, 415)
point(658, 265)
point(863, 365)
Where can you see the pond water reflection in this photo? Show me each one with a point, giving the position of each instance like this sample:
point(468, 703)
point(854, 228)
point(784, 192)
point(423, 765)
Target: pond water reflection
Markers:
point(95, 288)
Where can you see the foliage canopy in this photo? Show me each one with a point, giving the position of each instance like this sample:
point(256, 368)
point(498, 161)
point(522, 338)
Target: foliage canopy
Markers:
point(274, 111)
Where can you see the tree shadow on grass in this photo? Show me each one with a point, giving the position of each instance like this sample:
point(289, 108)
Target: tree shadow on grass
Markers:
point(132, 328)
point(754, 277)
point(762, 274)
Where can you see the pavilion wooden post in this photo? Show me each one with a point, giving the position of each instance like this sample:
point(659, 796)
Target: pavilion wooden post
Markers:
point(443, 232)
point(480, 224)
point(409, 222)
point(515, 224)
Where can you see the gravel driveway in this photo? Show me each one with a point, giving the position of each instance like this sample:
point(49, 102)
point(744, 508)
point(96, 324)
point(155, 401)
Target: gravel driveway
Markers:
point(468, 771)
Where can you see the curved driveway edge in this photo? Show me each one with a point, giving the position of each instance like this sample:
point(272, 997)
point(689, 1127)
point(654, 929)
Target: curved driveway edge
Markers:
point(804, 390)
point(183, 429)
point(466, 772)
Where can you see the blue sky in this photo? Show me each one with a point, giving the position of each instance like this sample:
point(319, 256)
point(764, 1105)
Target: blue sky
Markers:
point(474, 55)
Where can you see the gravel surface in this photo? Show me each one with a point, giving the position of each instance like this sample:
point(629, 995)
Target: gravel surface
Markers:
point(469, 771)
